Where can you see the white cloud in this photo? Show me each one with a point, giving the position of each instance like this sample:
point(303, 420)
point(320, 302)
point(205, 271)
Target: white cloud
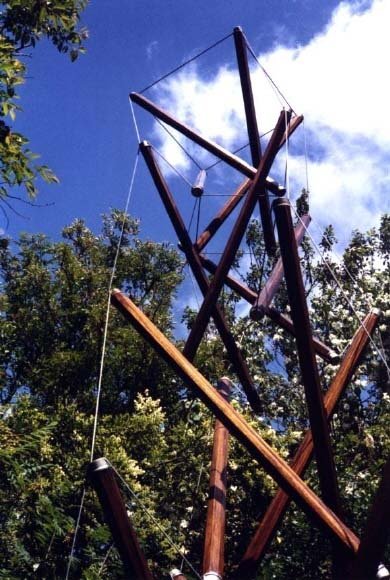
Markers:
point(339, 81)
point(151, 49)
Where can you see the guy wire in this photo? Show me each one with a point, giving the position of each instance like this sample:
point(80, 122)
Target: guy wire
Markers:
point(102, 359)
point(173, 71)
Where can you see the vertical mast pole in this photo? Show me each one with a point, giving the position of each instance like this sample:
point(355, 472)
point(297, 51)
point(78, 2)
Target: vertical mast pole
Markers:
point(213, 556)
point(253, 134)
point(102, 478)
point(308, 365)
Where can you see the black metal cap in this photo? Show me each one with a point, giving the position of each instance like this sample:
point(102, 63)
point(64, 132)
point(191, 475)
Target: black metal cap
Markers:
point(100, 464)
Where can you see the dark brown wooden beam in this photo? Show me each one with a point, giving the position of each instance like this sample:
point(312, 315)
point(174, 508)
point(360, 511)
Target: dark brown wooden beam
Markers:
point(227, 337)
point(267, 293)
point(270, 523)
point(233, 243)
point(307, 362)
point(237, 196)
point(253, 134)
point(207, 144)
point(247, 95)
point(214, 543)
point(236, 424)
point(376, 533)
point(281, 319)
point(212, 228)
point(102, 478)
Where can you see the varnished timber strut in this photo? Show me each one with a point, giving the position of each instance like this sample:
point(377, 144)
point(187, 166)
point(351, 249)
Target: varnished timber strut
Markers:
point(214, 543)
point(281, 319)
point(234, 353)
point(375, 534)
point(236, 424)
point(272, 518)
point(212, 228)
point(253, 134)
point(210, 146)
point(308, 365)
point(267, 293)
point(235, 238)
point(222, 215)
point(102, 478)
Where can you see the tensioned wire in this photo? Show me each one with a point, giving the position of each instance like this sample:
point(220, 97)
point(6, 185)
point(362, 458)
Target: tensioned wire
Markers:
point(101, 368)
point(197, 202)
point(185, 63)
point(174, 169)
point(102, 359)
point(172, 136)
point(108, 553)
point(379, 351)
point(287, 176)
point(154, 520)
point(346, 298)
point(356, 283)
point(282, 99)
point(98, 396)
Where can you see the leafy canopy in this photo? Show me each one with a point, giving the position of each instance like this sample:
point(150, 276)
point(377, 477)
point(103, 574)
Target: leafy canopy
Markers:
point(22, 24)
point(52, 318)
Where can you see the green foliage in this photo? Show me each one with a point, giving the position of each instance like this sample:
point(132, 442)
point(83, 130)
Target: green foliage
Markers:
point(22, 24)
point(156, 436)
point(53, 306)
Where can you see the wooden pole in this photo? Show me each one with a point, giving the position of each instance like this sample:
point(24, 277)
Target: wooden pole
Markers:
point(210, 146)
point(214, 544)
point(309, 371)
point(253, 134)
point(236, 197)
point(236, 424)
point(203, 317)
point(234, 352)
point(212, 228)
point(272, 518)
point(102, 478)
point(307, 361)
point(376, 533)
point(267, 293)
point(283, 321)
point(247, 95)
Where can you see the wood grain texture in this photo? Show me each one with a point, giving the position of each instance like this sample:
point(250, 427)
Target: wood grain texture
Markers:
point(281, 319)
point(102, 477)
point(214, 543)
point(227, 337)
point(214, 148)
point(272, 518)
point(270, 288)
point(236, 424)
point(236, 236)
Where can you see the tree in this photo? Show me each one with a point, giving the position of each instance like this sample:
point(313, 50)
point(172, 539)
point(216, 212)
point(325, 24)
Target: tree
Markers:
point(53, 312)
point(22, 24)
point(150, 428)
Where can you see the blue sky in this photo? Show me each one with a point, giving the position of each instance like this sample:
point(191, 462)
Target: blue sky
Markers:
point(328, 57)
